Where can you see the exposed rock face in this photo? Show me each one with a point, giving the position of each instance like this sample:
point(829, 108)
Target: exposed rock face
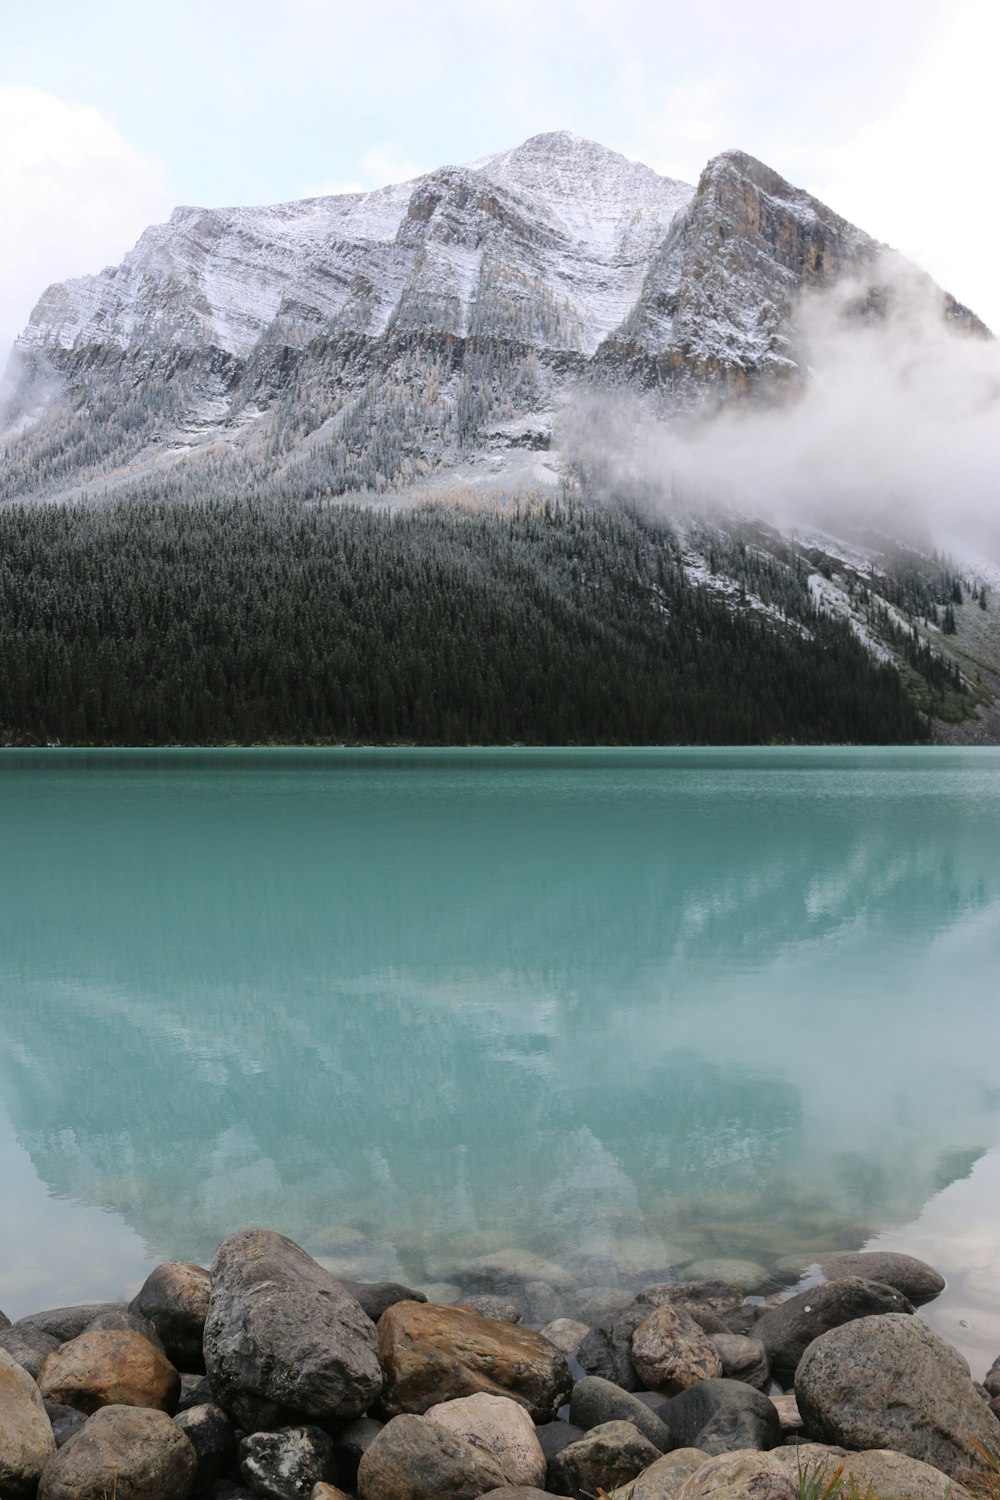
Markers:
point(110, 1368)
point(608, 1456)
point(284, 1343)
point(26, 1439)
point(174, 1298)
point(415, 1459)
point(497, 1426)
point(431, 1353)
point(122, 1451)
point(670, 1352)
point(496, 283)
point(889, 1382)
point(285, 1465)
point(786, 1330)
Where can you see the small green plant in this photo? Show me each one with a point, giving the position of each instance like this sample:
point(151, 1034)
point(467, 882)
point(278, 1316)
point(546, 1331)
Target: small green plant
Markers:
point(816, 1484)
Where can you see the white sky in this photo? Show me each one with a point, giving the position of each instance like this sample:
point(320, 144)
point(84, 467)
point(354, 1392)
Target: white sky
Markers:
point(111, 113)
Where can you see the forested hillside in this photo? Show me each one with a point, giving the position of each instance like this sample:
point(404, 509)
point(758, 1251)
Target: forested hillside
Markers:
point(549, 623)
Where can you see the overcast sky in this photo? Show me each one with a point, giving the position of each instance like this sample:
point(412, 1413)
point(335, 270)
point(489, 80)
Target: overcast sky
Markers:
point(111, 114)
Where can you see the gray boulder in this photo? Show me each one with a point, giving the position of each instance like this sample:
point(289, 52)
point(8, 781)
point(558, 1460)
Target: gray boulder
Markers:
point(211, 1435)
point(889, 1382)
point(595, 1401)
point(128, 1452)
point(878, 1472)
point(557, 1435)
point(608, 1456)
point(917, 1281)
point(124, 1320)
point(992, 1381)
point(414, 1459)
point(350, 1446)
point(65, 1323)
point(741, 1476)
point(743, 1359)
point(285, 1465)
point(4, 1321)
point(64, 1421)
point(502, 1309)
point(28, 1347)
point(284, 1343)
point(174, 1298)
point(373, 1297)
point(723, 1415)
point(787, 1329)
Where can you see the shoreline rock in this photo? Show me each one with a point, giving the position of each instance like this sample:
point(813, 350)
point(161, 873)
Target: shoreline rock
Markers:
point(267, 1378)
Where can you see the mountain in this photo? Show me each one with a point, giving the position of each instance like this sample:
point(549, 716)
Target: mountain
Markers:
point(436, 308)
point(426, 337)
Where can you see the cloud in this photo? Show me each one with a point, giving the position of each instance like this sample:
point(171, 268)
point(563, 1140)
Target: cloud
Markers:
point(897, 427)
point(75, 195)
point(922, 176)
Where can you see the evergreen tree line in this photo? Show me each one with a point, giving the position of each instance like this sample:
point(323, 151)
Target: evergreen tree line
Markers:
point(273, 620)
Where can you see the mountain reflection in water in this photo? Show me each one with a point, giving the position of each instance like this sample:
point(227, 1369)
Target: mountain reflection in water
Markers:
point(408, 1007)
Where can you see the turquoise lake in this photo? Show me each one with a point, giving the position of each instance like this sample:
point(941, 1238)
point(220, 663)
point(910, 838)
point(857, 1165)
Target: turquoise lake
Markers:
point(623, 1009)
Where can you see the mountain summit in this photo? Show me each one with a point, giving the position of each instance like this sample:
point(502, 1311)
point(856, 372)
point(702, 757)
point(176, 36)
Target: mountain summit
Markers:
point(359, 340)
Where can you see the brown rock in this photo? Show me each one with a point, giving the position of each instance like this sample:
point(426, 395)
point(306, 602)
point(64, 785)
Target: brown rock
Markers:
point(665, 1479)
point(609, 1455)
point(324, 1491)
point(498, 1426)
point(109, 1368)
point(744, 1475)
point(432, 1353)
point(174, 1298)
point(123, 1452)
point(414, 1459)
point(26, 1440)
point(520, 1492)
point(670, 1352)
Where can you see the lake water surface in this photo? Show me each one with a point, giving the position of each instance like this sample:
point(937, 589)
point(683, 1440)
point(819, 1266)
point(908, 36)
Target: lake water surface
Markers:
point(619, 1008)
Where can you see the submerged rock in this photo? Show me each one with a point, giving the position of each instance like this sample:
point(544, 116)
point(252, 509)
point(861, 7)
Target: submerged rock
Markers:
point(917, 1281)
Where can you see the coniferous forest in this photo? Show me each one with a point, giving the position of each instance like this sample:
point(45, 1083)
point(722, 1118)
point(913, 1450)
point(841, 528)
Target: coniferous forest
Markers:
point(244, 620)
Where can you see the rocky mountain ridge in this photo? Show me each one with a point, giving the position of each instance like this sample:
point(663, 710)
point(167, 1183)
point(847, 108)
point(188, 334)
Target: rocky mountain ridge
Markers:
point(470, 298)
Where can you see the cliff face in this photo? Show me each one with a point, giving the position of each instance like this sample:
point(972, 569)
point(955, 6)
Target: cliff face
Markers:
point(433, 309)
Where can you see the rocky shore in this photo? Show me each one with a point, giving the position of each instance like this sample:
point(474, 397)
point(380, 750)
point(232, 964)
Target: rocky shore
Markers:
point(267, 1377)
